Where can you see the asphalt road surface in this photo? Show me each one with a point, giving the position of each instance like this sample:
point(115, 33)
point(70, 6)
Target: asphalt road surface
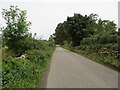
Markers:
point(70, 70)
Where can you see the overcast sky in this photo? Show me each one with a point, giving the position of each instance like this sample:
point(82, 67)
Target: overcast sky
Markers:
point(46, 14)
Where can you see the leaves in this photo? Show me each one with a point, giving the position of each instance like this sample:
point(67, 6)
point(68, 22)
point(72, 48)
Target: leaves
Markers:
point(74, 29)
point(18, 73)
point(16, 30)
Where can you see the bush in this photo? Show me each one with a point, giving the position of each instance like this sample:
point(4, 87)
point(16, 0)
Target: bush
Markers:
point(103, 43)
point(13, 70)
point(18, 73)
point(40, 45)
point(37, 56)
point(16, 30)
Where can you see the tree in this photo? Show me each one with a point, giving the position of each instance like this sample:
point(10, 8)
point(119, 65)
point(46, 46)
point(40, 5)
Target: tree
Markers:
point(105, 26)
point(118, 40)
point(61, 33)
point(16, 30)
point(51, 39)
point(78, 28)
point(75, 28)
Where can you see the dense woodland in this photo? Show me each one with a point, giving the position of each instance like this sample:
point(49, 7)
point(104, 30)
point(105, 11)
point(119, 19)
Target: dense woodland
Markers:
point(90, 34)
point(24, 57)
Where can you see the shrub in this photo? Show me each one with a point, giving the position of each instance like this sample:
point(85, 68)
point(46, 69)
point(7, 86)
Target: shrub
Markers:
point(16, 30)
point(13, 69)
point(37, 56)
point(18, 73)
point(40, 45)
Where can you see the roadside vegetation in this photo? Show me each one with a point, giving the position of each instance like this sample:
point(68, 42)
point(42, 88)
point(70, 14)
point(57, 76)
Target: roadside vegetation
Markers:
point(90, 36)
point(0, 61)
point(24, 58)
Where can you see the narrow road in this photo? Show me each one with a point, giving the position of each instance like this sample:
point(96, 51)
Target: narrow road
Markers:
point(70, 70)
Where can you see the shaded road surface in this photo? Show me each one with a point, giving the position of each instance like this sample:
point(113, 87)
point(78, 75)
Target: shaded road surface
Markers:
point(70, 70)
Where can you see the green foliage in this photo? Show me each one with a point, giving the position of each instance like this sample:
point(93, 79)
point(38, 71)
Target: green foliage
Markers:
point(66, 44)
point(105, 26)
point(107, 60)
point(16, 30)
point(100, 38)
point(78, 28)
point(19, 73)
point(106, 43)
point(36, 56)
point(51, 41)
point(61, 33)
point(42, 45)
point(118, 45)
point(22, 72)
point(74, 29)
point(13, 70)
point(91, 36)
point(85, 29)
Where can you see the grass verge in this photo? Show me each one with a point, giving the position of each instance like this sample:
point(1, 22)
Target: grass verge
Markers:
point(108, 61)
